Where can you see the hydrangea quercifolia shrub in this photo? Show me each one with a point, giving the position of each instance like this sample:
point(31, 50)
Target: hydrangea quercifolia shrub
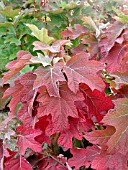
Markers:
point(75, 98)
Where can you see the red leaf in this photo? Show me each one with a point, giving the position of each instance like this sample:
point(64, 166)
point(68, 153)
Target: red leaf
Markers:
point(51, 164)
point(43, 47)
point(83, 157)
point(66, 136)
point(117, 58)
point(79, 70)
point(42, 124)
point(59, 108)
point(54, 48)
point(24, 116)
point(118, 118)
point(112, 33)
point(100, 136)
point(15, 66)
point(19, 163)
point(80, 48)
point(108, 162)
point(92, 43)
point(26, 139)
point(76, 32)
point(49, 77)
point(95, 101)
point(22, 91)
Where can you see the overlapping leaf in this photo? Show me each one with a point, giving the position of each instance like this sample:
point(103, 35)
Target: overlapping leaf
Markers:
point(59, 108)
point(15, 66)
point(95, 101)
point(42, 34)
point(24, 116)
point(26, 139)
point(112, 33)
point(50, 78)
point(80, 70)
point(66, 136)
point(106, 161)
point(19, 163)
point(76, 32)
point(51, 164)
point(118, 118)
point(83, 157)
point(117, 58)
point(22, 91)
point(54, 48)
point(42, 124)
point(100, 137)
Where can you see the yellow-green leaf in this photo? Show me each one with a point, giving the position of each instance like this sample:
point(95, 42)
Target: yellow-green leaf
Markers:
point(41, 35)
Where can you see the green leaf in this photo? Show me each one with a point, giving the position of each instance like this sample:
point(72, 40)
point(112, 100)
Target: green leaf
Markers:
point(3, 31)
point(121, 17)
point(6, 24)
point(10, 12)
point(41, 35)
point(13, 40)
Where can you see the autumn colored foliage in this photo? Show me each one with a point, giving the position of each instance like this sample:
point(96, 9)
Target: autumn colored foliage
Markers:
point(71, 110)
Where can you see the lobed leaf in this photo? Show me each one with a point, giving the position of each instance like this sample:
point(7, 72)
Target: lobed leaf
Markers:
point(59, 107)
point(23, 58)
point(118, 118)
point(41, 35)
point(19, 163)
point(80, 70)
point(26, 139)
point(50, 78)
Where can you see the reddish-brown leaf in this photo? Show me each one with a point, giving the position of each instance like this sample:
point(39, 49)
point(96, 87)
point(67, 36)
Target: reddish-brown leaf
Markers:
point(51, 164)
point(59, 108)
point(19, 163)
point(66, 136)
point(106, 161)
point(24, 116)
point(119, 119)
point(92, 43)
point(23, 58)
point(54, 48)
point(100, 137)
point(76, 32)
point(117, 58)
point(80, 70)
point(22, 91)
point(112, 33)
point(50, 78)
point(26, 139)
point(83, 157)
